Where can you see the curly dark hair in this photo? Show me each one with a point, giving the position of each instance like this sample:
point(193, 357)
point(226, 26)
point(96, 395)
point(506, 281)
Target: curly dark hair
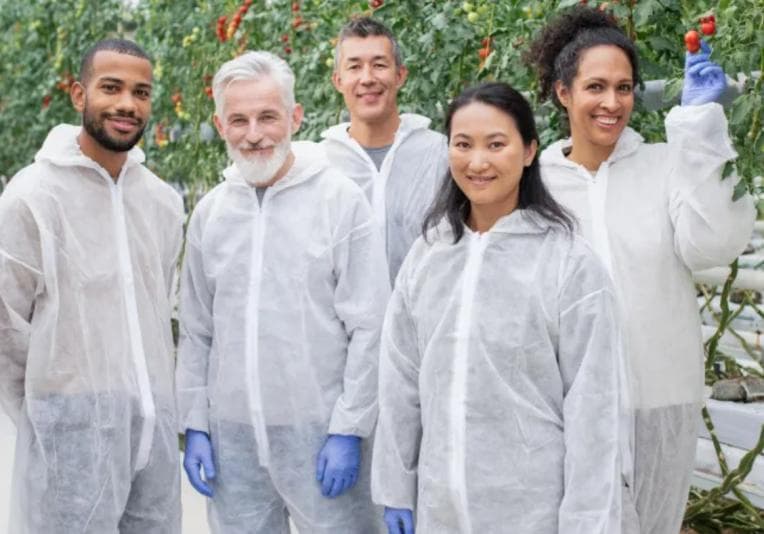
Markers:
point(556, 52)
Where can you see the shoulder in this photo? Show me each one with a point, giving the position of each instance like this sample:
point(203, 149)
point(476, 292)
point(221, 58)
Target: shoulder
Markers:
point(162, 192)
point(582, 268)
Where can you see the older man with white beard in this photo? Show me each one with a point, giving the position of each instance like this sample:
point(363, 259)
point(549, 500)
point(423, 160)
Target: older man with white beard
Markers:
point(282, 299)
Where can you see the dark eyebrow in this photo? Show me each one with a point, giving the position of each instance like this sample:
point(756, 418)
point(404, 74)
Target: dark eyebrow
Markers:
point(375, 58)
point(108, 79)
point(603, 80)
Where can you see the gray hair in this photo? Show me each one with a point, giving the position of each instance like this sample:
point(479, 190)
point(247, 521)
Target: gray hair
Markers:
point(254, 66)
point(367, 27)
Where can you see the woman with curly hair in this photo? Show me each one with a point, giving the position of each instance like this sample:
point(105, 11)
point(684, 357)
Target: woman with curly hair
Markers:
point(654, 213)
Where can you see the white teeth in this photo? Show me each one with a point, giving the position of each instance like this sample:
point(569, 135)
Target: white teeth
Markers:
point(607, 120)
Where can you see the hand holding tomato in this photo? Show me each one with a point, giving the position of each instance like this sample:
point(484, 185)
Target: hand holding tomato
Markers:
point(704, 80)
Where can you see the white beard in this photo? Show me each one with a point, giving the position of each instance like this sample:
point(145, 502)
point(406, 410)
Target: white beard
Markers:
point(257, 170)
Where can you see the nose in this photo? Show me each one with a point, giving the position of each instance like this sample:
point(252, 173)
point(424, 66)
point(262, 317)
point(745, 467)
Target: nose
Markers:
point(610, 100)
point(478, 162)
point(254, 133)
point(366, 75)
point(126, 103)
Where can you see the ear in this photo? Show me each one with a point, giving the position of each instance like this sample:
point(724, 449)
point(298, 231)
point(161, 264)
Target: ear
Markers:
point(218, 125)
point(530, 152)
point(403, 74)
point(562, 92)
point(297, 116)
point(336, 79)
point(77, 96)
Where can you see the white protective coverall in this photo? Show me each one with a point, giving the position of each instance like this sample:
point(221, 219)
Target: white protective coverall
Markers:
point(655, 213)
point(281, 312)
point(499, 376)
point(403, 189)
point(86, 351)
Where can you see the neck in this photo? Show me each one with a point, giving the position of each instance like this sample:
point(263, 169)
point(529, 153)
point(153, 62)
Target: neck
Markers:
point(589, 155)
point(375, 134)
point(482, 218)
point(108, 159)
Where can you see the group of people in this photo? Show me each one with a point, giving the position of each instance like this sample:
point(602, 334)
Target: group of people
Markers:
point(475, 335)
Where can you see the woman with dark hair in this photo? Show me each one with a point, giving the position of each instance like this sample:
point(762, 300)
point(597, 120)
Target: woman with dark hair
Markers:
point(654, 213)
point(499, 372)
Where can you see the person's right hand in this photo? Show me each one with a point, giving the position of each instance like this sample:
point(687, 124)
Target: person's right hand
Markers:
point(198, 455)
point(399, 520)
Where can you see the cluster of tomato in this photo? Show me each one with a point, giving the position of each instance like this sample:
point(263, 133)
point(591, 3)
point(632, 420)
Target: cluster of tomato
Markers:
point(224, 32)
point(485, 50)
point(692, 37)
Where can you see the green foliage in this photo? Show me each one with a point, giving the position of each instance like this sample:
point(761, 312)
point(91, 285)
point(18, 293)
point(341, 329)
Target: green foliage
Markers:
point(41, 44)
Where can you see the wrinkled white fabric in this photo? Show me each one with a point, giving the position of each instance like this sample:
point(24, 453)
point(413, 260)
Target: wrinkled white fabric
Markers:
point(499, 379)
point(281, 310)
point(654, 213)
point(86, 270)
point(403, 189)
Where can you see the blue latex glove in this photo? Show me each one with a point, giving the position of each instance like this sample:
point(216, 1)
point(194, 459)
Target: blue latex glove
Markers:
point(704, 80)
point(399, 521)
point(338, 464)
point(198, 455)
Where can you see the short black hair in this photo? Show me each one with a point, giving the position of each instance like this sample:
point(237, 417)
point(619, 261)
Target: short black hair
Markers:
point(121, 46)
point(367, 27)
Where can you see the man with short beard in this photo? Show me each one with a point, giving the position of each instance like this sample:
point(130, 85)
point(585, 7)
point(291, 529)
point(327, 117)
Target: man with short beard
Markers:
point(89, 240)
point(283, 293)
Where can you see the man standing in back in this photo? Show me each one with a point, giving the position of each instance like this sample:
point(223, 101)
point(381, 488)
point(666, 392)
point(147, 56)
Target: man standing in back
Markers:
point(88, 243)
point(395, 158)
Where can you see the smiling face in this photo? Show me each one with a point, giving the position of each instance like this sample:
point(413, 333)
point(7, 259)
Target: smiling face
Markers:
point(115, 101)
point(257, 127)
point(599, 101)
point(487, 156)
point(368, 78)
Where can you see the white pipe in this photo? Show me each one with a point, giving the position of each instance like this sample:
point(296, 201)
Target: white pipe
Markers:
point(746, 278)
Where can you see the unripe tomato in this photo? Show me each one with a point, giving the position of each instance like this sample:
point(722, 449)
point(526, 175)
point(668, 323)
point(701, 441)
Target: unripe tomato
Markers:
point(692, 41)
point(708, 28)
point(468, 7)
point(472, 16)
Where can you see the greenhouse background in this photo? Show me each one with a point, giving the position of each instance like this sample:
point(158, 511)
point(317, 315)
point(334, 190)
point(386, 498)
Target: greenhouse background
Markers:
point(447, 45)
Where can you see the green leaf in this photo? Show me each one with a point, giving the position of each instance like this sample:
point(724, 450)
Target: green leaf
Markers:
point(742, 108)
point(740, 190)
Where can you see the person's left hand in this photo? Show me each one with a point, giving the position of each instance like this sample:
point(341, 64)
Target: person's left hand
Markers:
point(338, 464)
point(704, 80)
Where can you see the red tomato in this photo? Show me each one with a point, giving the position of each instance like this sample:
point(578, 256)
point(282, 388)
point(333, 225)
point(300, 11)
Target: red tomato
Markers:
point(484, 52)
point(708, 28)
point(692, 41)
